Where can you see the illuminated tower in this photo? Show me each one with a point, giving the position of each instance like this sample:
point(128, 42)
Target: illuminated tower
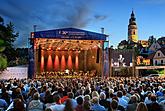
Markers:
point(132, 29)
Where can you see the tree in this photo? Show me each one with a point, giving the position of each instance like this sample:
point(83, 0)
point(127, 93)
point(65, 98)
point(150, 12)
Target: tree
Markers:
point(8, 36)
point(151, 40)
point(123, 44)
point(3, 60)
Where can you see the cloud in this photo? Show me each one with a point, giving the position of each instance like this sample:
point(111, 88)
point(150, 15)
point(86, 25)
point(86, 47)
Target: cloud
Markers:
point(46, 14)
point(100, 17)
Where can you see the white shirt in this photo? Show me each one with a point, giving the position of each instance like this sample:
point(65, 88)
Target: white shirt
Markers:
point(57, 107)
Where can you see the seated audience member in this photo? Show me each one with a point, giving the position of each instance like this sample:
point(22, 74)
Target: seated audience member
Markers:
point(18, 105)
point(96, 106)
point(114, 105)
point(162, 97)
point(36, 104)
point(68, 105)
point(121, 101)
point(162, 105)
point(125, 96)
point(103, 101)
point(87, 98)
point(133, 104)
point(87, 106)
point(73, 101)
point(3, 104)
point(80, 104)
point(154, 106)
point(56, 106)
point(148, 99)
point(120, 108)
point(141, 107)
point(5, 96)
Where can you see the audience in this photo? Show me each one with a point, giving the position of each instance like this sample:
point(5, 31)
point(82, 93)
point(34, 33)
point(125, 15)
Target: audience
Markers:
point(83, 94)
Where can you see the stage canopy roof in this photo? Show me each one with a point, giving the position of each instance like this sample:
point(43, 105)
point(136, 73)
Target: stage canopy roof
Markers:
point(68, 39)
point(69, 33)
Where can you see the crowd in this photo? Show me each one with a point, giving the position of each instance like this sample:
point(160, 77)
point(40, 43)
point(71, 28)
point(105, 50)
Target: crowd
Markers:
point(83, 94)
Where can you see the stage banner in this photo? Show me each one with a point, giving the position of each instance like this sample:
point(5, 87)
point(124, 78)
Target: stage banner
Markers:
point(70, 33)
point(106, 59)
point(31, 63)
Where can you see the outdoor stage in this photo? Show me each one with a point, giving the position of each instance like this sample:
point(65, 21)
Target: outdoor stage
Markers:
point(66, 52)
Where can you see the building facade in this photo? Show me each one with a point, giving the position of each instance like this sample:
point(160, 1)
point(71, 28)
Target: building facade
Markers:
point(159, 57)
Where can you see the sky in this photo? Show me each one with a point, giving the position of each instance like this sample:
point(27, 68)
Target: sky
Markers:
point(91, 15)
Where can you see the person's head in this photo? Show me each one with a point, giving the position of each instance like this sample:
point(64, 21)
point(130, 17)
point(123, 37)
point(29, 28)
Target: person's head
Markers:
point(95, 94)
point(95, 100)
point(114, 104)
point(87, 98)
point(141, 107)
point(18, 105)
point(79, 100)
point(102, 95)
point(133, 99)
point(70, 95)
point(36, 96)
point(18, 90)
point(149, 96)
point(153, 98)
point(119, 94)
point(56, 98)
point(124, 92)
point(111, 91)
point(137, 97)
point(68, 105)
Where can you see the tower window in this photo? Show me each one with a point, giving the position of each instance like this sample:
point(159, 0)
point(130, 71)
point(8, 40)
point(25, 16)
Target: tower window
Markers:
point(161, 61)
point(158, 54)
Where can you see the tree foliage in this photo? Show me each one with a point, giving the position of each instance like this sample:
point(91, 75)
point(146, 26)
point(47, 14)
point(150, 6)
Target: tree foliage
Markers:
point(3, 60)
point(7, 37)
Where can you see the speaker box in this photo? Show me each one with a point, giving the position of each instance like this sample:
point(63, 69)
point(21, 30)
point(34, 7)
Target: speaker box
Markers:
point(97, 55)
point(39, 54)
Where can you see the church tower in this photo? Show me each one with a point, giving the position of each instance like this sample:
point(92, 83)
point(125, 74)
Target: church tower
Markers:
point(132, 29)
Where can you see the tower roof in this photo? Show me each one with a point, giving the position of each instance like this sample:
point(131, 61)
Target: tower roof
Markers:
point(132, 19)
point(132, 14)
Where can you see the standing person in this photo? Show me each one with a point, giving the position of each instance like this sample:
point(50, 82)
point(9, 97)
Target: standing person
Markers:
point(141, 107)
